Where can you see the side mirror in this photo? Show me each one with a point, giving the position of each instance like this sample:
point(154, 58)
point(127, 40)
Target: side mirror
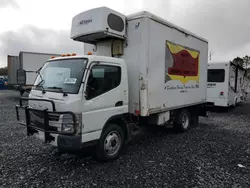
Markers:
point(21, 77)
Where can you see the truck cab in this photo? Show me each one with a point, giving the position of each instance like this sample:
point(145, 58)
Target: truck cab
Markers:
point(64, 105)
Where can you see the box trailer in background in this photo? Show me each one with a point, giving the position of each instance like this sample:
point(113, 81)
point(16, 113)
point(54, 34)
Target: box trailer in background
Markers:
point(226, 84)
point(29, 64)
point(143, 70)
point(13, 65)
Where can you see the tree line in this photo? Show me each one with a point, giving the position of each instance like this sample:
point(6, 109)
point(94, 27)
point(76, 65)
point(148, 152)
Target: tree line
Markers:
point(3, 71)
point(243, 62)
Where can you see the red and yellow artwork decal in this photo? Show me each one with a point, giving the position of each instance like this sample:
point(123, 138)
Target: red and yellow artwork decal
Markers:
point(185, 63)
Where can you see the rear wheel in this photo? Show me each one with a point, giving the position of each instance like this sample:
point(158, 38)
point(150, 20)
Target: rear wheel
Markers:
point(183, 121)
point(110, 143)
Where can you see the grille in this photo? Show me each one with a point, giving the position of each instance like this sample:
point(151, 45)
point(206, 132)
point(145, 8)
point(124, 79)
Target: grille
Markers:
point(52, 117)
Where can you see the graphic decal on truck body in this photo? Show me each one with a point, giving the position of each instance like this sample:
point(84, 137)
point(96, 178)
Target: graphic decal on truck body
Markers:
point(181, 64)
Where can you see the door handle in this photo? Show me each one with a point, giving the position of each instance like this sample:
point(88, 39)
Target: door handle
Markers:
point(119, 103)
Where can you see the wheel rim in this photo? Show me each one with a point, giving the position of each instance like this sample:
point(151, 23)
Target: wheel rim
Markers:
point(112, 143)
point(185, 121)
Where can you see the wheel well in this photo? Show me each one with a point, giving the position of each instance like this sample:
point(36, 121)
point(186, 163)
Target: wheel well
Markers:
point(119, 121)
point(196, 110)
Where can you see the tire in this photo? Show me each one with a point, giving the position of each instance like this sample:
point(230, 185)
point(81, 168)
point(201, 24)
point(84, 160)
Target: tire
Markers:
point(111, 143)
point(183, 121)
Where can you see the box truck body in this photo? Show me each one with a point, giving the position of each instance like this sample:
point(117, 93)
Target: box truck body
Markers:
point(140, 70)
point(226, 84)
point(170, 65)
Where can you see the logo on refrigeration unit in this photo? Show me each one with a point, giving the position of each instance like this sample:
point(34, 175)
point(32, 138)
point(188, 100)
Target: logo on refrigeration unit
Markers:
point(181, 63)
point(85, 22)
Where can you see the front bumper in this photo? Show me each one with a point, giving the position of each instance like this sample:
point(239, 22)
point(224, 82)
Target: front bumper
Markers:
point(44, 128)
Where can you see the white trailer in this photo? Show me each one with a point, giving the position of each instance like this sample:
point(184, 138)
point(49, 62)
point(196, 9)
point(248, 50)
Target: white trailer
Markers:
point(29, 64)
point(226, 84)
point(139, 68)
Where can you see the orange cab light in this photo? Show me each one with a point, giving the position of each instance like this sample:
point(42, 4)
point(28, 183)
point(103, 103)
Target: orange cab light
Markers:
point(89, 53)
point(73, 54)
point(68, 55)
point(63, 55)
point(52, 57)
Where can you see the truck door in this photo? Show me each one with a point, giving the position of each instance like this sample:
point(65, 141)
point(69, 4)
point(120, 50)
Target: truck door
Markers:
point(232, 94)
point(106, 96)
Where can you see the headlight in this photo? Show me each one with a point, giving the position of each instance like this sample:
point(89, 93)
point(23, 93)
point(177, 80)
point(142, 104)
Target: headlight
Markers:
point(68, 123)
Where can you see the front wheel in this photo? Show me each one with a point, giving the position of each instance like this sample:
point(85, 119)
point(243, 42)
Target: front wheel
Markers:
point(183, 121)
point(110, 143)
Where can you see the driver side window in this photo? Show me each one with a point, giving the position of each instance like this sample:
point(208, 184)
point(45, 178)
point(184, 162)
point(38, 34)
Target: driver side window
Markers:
point(102, 79)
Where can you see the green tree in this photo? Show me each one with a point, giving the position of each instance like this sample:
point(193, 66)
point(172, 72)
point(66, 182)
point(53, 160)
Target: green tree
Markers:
point(244, 62)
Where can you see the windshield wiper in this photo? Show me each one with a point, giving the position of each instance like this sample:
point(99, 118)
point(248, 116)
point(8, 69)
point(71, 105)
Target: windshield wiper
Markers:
point(40, 83)
point(59, 89)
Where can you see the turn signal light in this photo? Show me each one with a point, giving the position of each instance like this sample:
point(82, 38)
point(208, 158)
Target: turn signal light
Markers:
point(89, 53)
point(66, 55)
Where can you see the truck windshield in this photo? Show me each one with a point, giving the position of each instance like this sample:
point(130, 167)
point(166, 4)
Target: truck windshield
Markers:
point(62, 75)
point(216, 75)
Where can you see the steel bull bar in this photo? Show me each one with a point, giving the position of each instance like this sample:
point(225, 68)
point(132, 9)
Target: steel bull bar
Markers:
point(65, 140)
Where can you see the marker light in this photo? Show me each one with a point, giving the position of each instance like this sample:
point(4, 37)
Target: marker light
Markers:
point(89, 53)
point(221, 93)
point(73, 54)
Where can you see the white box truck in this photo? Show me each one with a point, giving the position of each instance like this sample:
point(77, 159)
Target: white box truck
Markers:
point(140, 70)
point(226, 84)
point(29, 64)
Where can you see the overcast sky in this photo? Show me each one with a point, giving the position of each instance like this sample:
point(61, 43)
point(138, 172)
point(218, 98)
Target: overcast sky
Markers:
point(44, 25)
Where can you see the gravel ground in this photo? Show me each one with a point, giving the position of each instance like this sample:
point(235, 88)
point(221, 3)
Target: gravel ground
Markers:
point(206, 156)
